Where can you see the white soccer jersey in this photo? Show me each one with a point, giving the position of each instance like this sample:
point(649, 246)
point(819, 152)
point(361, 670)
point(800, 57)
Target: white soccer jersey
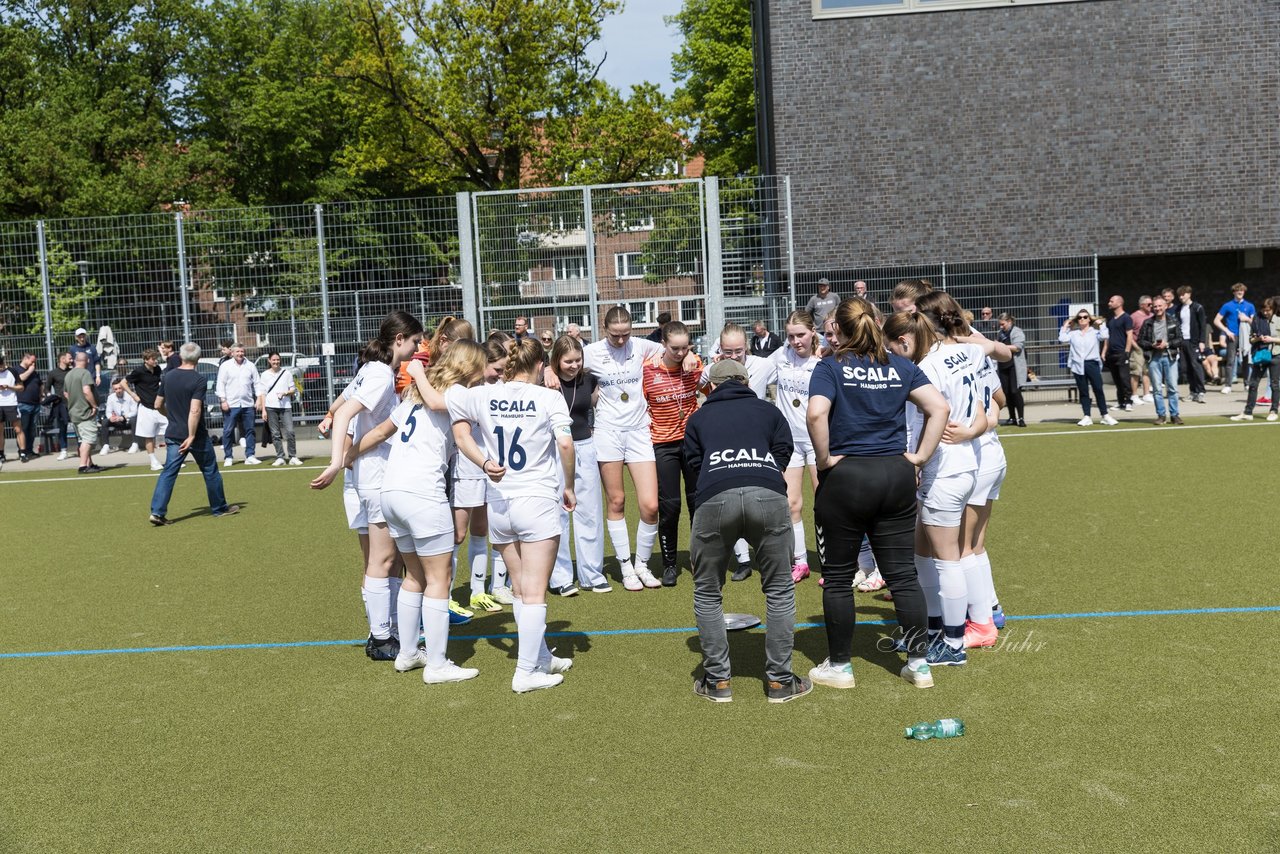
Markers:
point(375, 388)
point(463, 468)
point(953, 369)
point(620, 375)
point(419, 456)
point(518, 421)
point(793, 374)
point(760, 372)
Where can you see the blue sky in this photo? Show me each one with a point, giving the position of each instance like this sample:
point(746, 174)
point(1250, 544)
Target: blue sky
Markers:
point(639, 45)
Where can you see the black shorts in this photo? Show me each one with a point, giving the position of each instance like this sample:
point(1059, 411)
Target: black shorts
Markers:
point(8, 414)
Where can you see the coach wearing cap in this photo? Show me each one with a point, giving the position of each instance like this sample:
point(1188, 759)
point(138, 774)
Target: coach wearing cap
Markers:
point(822, 303)
point(82, 345)
point(738, 446)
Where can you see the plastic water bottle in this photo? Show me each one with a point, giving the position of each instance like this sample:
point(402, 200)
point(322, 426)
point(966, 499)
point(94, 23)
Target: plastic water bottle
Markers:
point(945, 728)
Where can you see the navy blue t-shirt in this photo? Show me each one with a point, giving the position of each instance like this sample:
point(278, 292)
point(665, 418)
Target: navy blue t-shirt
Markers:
point(1116, 329)
point(179, 388)
point(868, 403)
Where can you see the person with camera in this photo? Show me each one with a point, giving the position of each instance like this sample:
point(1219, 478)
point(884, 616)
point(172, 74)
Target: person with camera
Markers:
point(1085, 363)
point(1161, 341)
point(1265, 338)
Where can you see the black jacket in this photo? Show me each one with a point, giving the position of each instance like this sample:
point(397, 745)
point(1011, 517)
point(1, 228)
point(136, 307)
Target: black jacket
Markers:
point(1146, 338)
point(736, 439)
point(764, 346)
point(1199, 322)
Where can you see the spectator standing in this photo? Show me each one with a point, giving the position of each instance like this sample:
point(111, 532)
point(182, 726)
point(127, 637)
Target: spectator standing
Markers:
point(238, 390)
point(1013, 374)
point(1228, 321)
point(822, 303)
point(1139, 382)
point(143, 384)
point(986, 323)
point(574, 331)
point(521, 331)
point(29, 398)
point(122, 414)
point(663, 319)
point(1119, 347)
point(737, 447)
point(169, 355)
point(860, 291)
point(226, 345)
point(1161, 340)
point(548, 339)
point(82, 345)
point(1085, 363)
point(1194, 325)
point(764, 342)
point(56, 400)
point(9, 388)
point(82, 405)
point(275, 398)
point(1264, 359)
point(181, 399)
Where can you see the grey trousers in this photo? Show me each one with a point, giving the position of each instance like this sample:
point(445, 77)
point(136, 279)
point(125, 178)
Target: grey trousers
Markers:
point(762, 518)
point(280, 423)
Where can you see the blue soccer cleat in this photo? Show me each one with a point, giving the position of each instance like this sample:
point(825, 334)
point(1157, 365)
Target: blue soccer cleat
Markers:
point(942, 654)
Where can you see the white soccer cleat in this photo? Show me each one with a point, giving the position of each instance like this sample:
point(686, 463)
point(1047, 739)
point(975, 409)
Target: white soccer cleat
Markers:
point(523, 683)
point(556, 664)
point(503, 595)
point(647, 578)
point(405, 663)
point(1085, 422)
point(448, 672)
point(631, 582)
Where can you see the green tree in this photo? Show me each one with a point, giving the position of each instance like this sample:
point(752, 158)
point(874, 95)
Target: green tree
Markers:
point(22, 295)
point(717, 91)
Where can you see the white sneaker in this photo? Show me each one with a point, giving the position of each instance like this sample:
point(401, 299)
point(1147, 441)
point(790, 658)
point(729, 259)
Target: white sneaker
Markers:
point(156, 465)
point(294, 461)
point(279, 462)
point(62, 455)
point(405, 663)
point(921, 676)
point(226, 461)
point(1243, 416)
point(646, 577)
point(1139, 400)
point(241, 441)
point(503, 595)
point(1085, 422)
point(631, 581)
point(133, 449)
point(450, 672)
point(106, 449)
point(1128, 407)
point(1226, 389)
point(1151, 398)
point(832, 676)
point(1272, 416)
point(1109, 421)
point(556, 665)
point(523, 683)
point(252, 461)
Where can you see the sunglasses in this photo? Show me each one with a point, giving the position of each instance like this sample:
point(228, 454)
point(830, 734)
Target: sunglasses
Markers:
point(1082, 317)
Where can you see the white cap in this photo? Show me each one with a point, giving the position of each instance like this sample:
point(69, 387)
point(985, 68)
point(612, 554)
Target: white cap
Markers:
point(82, 331)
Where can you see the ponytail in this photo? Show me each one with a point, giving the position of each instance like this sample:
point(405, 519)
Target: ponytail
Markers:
point(944, 312)
point(919, 327)
point(526, 356)
point(397, 323)
point(860, 336)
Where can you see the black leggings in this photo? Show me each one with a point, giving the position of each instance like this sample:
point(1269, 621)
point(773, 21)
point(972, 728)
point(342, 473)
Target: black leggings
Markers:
point(671, 463)
point(875, 496)
point(1012, 394)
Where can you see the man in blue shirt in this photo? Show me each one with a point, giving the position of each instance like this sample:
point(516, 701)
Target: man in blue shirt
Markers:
point(82, 345)
point(1228, 320)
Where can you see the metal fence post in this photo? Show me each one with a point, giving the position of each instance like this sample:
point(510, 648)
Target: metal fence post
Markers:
point(327, 347)
point(182, 277)
point(791, 254)
point(293, 327)
point(44, 290)
point(1095, 282)
point(715, 259)
point(944, 275)
point(359, 332)
point(593, 298)
point(467, 261)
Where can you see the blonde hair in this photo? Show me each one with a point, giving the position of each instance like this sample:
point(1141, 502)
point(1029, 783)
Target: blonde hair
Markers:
point(919, 327)
point(449, 330)
point(805, 319)
point(860, 335)
point(526, 356)
point(460, 364)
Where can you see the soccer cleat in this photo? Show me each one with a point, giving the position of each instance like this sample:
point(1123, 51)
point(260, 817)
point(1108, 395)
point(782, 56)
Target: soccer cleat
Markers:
point(799, 572)
point(920, 675)
point(997, 617)
point(873, 582)
point(1109, 421)
point(405, 663)
point(503, 595)
point(447, 672)
point(159, 521)
point(602, 587)
point(458, 615)
point(742, 573)
point(832, 675)
point(523, 683)
point(157, 466)
point(133, 449)
point(860, 576)
point(294, 461)
point(556, 664)
point(1243, 416)
point(631, 582)
point(1085, 422)
point(787, 690)
point(670, 575)
point(385, 649)
point(978, 635)
point(252, 461)
point(646, 577)
point(718, 691)
point(484, 602)
point(566, 591)
point(944, 654)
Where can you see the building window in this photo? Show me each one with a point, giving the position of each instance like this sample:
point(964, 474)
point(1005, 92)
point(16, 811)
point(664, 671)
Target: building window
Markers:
point(580, 316)
point(853, 8)
point(691, 312)
point(566, 267)
point(643, 312)
point(627, 265)
point(631, 221)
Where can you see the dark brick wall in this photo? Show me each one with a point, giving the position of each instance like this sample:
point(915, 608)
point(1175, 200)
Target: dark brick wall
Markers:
point(1118, 127)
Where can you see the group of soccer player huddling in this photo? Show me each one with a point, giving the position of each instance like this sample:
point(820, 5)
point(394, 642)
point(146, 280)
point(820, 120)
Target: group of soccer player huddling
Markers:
point(510, 448)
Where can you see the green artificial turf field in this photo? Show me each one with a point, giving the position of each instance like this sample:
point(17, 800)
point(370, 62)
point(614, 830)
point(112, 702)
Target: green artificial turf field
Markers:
point(1104, 733)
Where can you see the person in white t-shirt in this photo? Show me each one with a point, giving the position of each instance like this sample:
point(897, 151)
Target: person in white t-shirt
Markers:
point(529, 454)
point(415, 503)
point(276, 393)
point(369, 401)
point(793, 365)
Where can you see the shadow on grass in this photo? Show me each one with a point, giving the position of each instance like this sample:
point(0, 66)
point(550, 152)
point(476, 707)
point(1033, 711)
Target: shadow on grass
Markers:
point(205, 511)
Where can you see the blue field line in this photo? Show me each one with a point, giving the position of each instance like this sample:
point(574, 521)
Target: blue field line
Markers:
point(680, 630)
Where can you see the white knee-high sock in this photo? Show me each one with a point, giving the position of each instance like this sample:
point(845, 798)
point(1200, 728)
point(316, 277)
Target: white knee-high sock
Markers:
point(531, 625)
point(435, 629)
point(408, 618)
point(955, 600)
point(619, 539)
point(800, 549)
point(977, 579)
point(645, 535)
point(478, 559)
point(544, 654)
point(500, 578)
point(377, 606)
point(984, 561)
point(742, 551)
point(394, 583)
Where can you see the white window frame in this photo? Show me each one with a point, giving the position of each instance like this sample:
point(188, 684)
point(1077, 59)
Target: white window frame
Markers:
point(906, 7)
point(647, 316)
point(623, 268)
point(621, 222)
point(691, 311)
point(582, 319)
point(559, 265)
